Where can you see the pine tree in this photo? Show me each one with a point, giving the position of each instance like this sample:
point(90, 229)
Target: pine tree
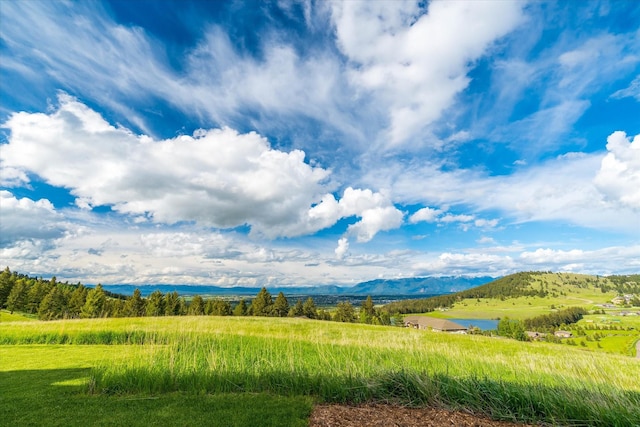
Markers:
point(95, 305)
point(196, 308)
point(345, 312)
point(297, 310)
point(53, 305)
point(262, 303)
point(241, 308)
point(367, 311)
point(281, 306)
point(135, 305)
point(7, 281)
point(77, 300)
point(171, 304)
point(155, 304)
point(309, 308)
point(17, 300)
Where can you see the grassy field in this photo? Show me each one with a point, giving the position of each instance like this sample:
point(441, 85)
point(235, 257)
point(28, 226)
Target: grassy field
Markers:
point(112, 369)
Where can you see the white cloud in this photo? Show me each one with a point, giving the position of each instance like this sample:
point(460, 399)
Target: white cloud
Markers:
point(633, 90)
point(577, 188)
point(216, 177)
point(424, 215)
point(26, 219)
point(416, 62)
point(456, 218)
point(342, 248)
point(619, 175)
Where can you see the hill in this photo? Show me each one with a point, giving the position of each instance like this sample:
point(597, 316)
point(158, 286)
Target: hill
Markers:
point(531, 289)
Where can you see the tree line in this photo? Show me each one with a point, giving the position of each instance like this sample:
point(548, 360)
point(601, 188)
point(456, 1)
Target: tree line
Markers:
point(50, 300)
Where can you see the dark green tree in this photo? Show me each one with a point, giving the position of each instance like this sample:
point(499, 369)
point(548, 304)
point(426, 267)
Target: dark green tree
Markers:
point(218, 307)
point(135, 305)
point(54, 305)
point(171, 304)
point(7, 280)
point(76, 300)
point(309, 309)
point(155, 304)
point(240, 309)
point(297, 310)
point(262, 304)
point(345, 312)
point(17, 300)
point(196, 308)
point(367, 311)
point(96, 303)
point(281, 306)
point(37, 292)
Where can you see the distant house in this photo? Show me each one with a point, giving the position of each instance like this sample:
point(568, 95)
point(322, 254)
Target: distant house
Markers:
point(563, 334)
point(440, 325)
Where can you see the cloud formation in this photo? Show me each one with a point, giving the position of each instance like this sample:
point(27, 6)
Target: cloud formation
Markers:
point(415, 59)
point(216, 177)
point(619, 176)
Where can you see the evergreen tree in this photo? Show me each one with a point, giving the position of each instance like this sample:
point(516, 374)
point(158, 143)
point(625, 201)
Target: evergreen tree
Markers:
point(155, 304)
point(241, 308)
point(17, 300)
point(76, 300)
point(281, 306)
point(345, 312)
point(297, 310)
point(53, 305)
point(309, 308)
point(135, 305)
point(262, 304)
point(171, 304)
point(95, 305)
point(37, 292)
point(196, 308)
point(7, 281)
point(367, 311)
point(219, 307)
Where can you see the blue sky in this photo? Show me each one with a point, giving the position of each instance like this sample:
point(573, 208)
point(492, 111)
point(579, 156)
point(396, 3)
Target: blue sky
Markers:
point(316, 142)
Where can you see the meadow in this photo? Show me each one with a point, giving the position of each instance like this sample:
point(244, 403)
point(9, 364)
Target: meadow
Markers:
point(113, 366)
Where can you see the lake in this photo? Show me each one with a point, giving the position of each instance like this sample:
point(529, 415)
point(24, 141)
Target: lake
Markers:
point(484, 324)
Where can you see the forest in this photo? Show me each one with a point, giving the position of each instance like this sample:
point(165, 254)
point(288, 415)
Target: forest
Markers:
point(50, 300)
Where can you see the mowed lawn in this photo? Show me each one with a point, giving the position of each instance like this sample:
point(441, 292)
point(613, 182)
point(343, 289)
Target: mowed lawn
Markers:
point(231, 371)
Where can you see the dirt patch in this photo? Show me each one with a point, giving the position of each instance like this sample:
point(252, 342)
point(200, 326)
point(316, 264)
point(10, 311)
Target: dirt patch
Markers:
point(382, 415)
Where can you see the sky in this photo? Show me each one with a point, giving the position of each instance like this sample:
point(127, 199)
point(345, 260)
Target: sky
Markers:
point(277, 143)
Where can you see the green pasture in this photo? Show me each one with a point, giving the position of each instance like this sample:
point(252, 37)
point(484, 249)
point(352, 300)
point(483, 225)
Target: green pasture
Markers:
point(141, 371)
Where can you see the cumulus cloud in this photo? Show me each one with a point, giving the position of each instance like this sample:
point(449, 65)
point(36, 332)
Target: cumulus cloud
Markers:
point(619, 176)
point(26, 219)
point(414, 59)
point(424, 215)
point(216, 177)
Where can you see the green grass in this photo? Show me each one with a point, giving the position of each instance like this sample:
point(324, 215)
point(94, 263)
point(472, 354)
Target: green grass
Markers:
point(47, 385)
point(7, 316)
point(201, 359)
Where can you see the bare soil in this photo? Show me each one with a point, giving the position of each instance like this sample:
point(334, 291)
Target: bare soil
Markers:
point(384, 415)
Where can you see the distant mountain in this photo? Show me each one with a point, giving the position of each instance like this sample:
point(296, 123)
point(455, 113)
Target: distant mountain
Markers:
point(407, 286)
point(419, 285)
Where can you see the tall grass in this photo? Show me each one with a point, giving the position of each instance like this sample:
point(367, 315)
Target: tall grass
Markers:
point(354, 363)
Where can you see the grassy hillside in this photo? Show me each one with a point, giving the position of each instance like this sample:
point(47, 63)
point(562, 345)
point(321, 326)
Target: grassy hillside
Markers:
point(152, 363)
point(524, 295)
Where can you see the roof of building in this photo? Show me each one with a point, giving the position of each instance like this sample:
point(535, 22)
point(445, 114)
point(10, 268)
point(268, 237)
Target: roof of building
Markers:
point(434, 323)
